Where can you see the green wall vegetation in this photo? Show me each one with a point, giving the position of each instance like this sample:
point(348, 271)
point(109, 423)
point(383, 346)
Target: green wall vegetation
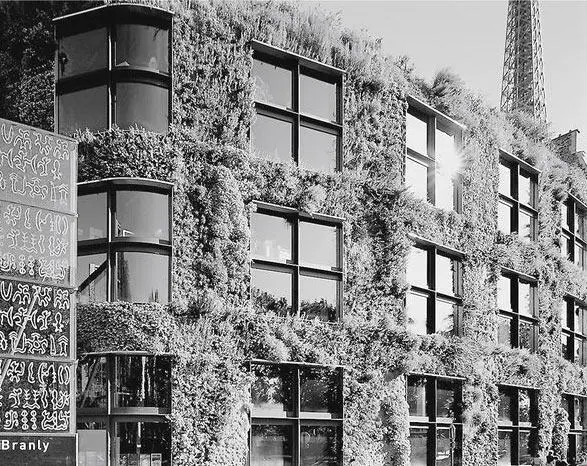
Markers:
point(211, 325)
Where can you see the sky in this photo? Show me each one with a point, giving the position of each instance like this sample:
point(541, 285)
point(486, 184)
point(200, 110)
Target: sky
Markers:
point(468, 36)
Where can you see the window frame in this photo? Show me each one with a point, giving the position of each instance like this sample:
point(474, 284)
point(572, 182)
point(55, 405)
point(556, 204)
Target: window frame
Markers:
point(432, 294)
point(293, 266)
point(517, 168)
point(575, 434)
point(569, 304)
point(108, 17)
point(514, 314)
point(573, 206)
point(431, 422)
point(299, 65)
point(434, 120)
point(113, 244)
point(298, 418)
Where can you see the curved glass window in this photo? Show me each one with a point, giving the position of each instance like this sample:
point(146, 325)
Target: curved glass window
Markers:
point(142, 46)
point(82, 53)
point(142, 105)
point(132, 262)
point(143, 381)
point(83, 109)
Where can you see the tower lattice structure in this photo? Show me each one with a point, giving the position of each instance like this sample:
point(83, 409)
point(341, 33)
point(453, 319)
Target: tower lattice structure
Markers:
point(523, 69)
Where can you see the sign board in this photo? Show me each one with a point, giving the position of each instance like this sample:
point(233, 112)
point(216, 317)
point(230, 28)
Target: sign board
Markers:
point(38, 174)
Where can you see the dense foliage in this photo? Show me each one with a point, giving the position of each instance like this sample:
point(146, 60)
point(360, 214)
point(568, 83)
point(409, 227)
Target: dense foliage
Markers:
point(212, 327)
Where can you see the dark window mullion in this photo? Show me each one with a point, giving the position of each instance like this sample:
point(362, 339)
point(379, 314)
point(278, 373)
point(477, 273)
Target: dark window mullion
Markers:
point(296, 108)
point(111, 260)
point(296, 258)
point(431, 457)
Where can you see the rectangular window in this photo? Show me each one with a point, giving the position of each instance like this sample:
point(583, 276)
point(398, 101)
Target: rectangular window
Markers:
point(573, 240)
point(576, 408)
point(435, 419)
point(517, 425)
point(517, 210)
point(296, 263)
point(297, 414)
point(518, 311)
point(298, 106)
point(574, 330)
point(434, 301)
point(432, 163)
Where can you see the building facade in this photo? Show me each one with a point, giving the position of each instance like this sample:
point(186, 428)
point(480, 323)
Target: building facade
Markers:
point(293, 251)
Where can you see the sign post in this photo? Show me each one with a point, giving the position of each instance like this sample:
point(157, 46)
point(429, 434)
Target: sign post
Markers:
point(38, 228)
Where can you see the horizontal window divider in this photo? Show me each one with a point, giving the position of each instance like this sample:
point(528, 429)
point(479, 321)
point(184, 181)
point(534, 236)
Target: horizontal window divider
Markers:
point(449, 297)
point(142, 76)
point(269, 208)
point(274, 111)
point(83, 81)
point(319, 124)
point(271, 414)
point(527, 208)
point(419, 240)
point(437, 376)
point(137, 246)
point(513, 385)
point(271, 265)
point(309, 271)
point(139, 411)
point(92, 243)
point(139, 240)
point(309, 416)
point(523, 164)
point(527, 318)
point(425, 108)
point(512, 272)
point(137, 184)
point(425, 159)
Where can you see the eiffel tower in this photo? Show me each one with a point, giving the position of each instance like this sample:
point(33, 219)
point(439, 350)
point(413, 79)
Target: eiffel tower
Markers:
point(523, 69)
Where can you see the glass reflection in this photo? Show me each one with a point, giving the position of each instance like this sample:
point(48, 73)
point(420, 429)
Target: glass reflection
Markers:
point(137, 442)
point(579, 413)
point(525, 298)
point(566, 346)
point(525, 185)
point(142, 214)
point(271, 290)
point(580, 223)
point(81, 53)
point(445, 274)
point(141, 277)
point(526, 221)
point(416, 396)
point(524, 402)
point(504, 218)
point(565, 211)
point(525, 449)
point(317, 150)
point(417, 267)
point(271, 237)
point(417, 178)
point(578, 355)
point(318, 97)
point(271, 138)
point(95, 290)
point(525, 335)
point(319, 390)
point(445, 399)
point(320, 445)
point(271, 445)
point(417, 134)
point(143, 381)
point(504, 331)
point(417, 313)
point(506, 399)
point(444, 451)
point(318, 298)
point(272, 388)
point(91, 221)
point(578, 313)
point(319, 245)
point(92, 448)
point(445, 317)
point(564, 315)
point(83, 109)
point(273, 84)
point(504, 293)
point(418, 446)
point(142, 105)
point(139, 45)
point(92, 383)
point(579, 255)
point(504, 448)
point(505, 180)
point(444, 190)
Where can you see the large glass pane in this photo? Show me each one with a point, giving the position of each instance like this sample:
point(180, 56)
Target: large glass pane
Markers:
point(579, 255)
point(271, 138)
point(505, 180)
point(320, 390)
point(447, 169)
point(271, 237)
point(417, 134)
point(579, 413)
point(525, 298)
point(526, 330)
point(95, 290)
point(273, 84)
point(142, 214)
point(83, 109)
point(445, 317)
point(578, 353)
point(417, 313)
point(138, 443)
point(565, 315)
point(142, 277)
point(417, 178)
point(417, 267)
point(525, 449)
point(319, 297)
point(445, 146)
point(91, 221)
point(578, 312)
point(525, 188)
point(504, 218)
point(445, 454)
point(271, 290)
point(580, 217)
point(416, 395)
point(272, 387)
point(318, 97)
point(524, 405)
point(504, 293)
point(567, 247)
point(139, 45)
point(566, 341)
point(142, 105)
point(317, 150)
point(272, 445)
point(446, 399)
point(446, 274)
point(92, 449)
point(565, 214)
point(81, 53)
point(319, 245)
point(504, 448)
point(143, 381)
point(506, 400)
point(92, 383)
point(504, 331)
point(320, 445)
point(444, 190)
point(526, 222)
point(418, 446)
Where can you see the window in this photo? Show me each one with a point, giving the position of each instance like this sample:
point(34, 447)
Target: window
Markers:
point(299, 110)
point(296, 263)
point(435, 420)
point(297, 415)
point(573, 233)
point(434, 301)
point(517, 301)
point(517, 426)
point(574, 330)
point(576, 408)
point(518, 197)
point(131, 259)
point(432, 164)
point(114, 67)
point(122, 403)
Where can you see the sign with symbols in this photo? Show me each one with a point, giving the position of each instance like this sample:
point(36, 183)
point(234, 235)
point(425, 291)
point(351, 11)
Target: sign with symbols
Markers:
point(38, 173)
